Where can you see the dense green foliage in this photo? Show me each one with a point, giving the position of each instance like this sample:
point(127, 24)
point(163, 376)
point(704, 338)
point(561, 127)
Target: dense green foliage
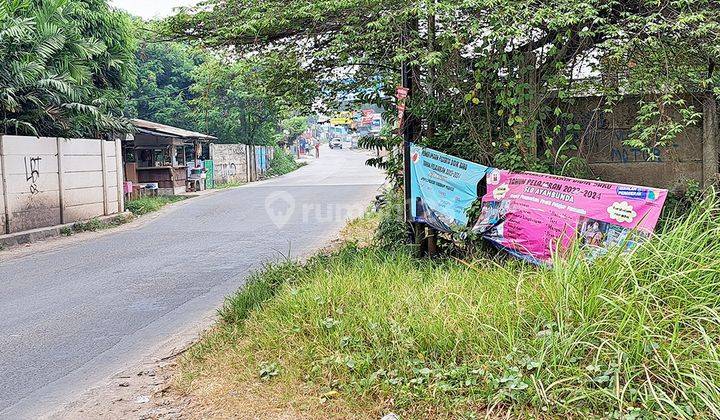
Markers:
point(496, 78)
point(628, 336)
point(66, 67)
point(292, 128)
point(238, 101)
point(164, 78)
point(282, 163)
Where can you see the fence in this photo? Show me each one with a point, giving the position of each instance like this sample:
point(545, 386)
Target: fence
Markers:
point(230, 162)
point(264, 154)
point(52, 181)
point(240, 162)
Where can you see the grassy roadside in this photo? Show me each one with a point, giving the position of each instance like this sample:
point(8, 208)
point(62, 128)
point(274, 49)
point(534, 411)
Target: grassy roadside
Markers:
point(229, 184)
point(94, 225)
point(366, 331)
point(137, 207)
point(147, 205)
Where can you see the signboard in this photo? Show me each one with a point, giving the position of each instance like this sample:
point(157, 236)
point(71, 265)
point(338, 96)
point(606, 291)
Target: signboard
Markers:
point(210, 171)
point(401, 95)
point(340, 121)
point(342, 118)
point(367, 116)
point(532, 215)
point(443, 188)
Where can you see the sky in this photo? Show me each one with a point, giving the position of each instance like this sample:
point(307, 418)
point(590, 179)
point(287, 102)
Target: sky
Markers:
point(148, 9)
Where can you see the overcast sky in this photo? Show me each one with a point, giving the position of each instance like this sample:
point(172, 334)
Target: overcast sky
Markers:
point(151, 8)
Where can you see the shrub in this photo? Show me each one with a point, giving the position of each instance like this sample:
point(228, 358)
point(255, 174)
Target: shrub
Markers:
point(282, 163)
point(392, 231)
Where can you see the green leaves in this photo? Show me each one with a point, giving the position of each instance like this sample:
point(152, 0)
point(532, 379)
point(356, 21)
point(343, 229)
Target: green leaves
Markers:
point(65, 67)
point(268, 371)
point(489, 72)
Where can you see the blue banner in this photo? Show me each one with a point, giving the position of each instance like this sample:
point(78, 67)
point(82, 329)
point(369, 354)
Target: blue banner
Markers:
point(443, 188)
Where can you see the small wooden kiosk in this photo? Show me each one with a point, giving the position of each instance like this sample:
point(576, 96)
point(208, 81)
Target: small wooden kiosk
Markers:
point(159, 156)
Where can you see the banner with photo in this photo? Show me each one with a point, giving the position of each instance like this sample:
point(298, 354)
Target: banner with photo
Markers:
point(531, 215)
point(443, 188)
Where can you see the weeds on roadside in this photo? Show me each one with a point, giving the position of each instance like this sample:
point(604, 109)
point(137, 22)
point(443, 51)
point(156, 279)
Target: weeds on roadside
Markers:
point(147, 205)
point(94, 225)
point(229, 184)
point(282, 163)
point(392, 231)
point(626, 336)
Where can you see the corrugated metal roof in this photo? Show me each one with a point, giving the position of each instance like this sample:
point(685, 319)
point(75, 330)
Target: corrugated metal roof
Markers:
point(168, 131)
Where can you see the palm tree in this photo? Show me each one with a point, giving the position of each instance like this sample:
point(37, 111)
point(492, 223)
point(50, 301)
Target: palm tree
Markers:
point(51, 80)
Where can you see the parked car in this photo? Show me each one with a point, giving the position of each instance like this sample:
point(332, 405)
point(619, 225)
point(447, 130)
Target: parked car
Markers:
point(336, 143)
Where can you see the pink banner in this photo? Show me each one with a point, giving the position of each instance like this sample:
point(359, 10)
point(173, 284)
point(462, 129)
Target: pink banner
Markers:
point(532, 215)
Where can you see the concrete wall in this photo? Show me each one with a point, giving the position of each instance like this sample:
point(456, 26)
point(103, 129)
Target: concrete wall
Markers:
point(51, 181)
point(231, 162)
point(602, 140)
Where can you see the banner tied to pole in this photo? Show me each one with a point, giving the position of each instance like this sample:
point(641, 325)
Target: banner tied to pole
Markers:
point(443, 188)
point(532, 215)
point(401, 94)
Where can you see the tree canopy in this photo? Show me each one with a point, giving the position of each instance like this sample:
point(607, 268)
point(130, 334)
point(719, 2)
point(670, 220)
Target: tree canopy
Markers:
point(496, 78)
point(238, 100)
point(165, 76)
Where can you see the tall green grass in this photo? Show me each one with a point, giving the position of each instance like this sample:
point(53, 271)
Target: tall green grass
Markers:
point(147, 205)
point(627, 336)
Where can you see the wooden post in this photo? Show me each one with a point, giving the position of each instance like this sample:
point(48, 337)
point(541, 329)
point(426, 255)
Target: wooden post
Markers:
point(3, 169)
point(103, 156)
point(61, 186)
point(710, 140)
point(432, 248)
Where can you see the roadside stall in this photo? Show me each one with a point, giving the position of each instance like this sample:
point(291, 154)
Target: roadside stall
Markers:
point(164, 160)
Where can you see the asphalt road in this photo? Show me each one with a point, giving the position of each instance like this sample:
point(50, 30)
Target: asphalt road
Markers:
point(75, 314)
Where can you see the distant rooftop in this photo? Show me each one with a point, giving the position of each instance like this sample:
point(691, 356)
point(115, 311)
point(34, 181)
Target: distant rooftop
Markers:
point(157, 129)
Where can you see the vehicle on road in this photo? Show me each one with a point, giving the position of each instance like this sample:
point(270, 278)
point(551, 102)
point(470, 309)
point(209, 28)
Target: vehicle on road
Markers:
point(336, 143)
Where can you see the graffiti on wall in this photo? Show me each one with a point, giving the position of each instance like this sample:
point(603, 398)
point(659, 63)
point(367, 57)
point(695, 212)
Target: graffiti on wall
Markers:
point(225, 170)
point(609, 145)
point(32, 173)
point(606, 141)
point(231, 162)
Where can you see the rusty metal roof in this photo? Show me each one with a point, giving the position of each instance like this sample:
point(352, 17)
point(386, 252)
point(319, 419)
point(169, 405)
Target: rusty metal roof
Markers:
point(158, 129)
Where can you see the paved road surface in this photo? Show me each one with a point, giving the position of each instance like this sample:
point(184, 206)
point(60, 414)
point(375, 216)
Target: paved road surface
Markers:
point(74, 315)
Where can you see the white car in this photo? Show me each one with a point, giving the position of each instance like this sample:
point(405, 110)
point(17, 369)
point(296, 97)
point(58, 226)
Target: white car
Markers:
point(336, 143)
